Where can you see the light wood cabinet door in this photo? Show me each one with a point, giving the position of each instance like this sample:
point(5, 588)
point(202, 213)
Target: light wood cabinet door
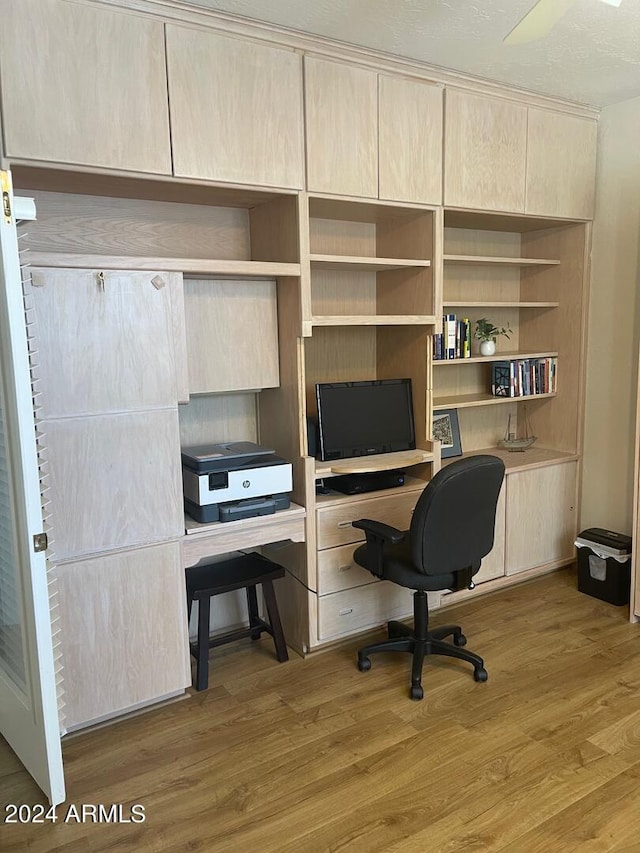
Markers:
point(84, 85)
point(493, 564)
point(341, 111)
point(232, 335)
point(541, 517)
point(485, 152)
point(123, 627)
point(410, 140)
point(114, 480)
point(106, 340)
point(236, 109)
point(561, 164)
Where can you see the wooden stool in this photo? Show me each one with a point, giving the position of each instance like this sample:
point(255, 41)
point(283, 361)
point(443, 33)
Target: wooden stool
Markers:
point(244, 572)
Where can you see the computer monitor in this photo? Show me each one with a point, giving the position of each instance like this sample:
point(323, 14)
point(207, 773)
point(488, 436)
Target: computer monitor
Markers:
point(364, 418)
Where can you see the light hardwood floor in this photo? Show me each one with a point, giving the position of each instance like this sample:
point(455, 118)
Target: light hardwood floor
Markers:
point(313, 755)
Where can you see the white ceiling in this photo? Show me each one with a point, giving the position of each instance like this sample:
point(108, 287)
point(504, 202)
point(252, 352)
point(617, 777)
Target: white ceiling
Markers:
point(592, 55)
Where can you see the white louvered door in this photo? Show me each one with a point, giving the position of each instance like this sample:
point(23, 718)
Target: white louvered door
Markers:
point(28, 702)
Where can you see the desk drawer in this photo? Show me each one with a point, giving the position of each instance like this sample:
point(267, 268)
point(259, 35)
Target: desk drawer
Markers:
point(353, 610)
point(334, 522)
point(336, 570)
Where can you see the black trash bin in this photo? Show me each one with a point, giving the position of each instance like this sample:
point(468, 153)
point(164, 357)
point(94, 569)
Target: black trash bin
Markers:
point(604, 564)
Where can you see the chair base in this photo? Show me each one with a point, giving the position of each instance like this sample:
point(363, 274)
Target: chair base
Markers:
point(421, 642)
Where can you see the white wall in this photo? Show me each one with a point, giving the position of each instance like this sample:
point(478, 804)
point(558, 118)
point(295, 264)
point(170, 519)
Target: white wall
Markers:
point(607, 486)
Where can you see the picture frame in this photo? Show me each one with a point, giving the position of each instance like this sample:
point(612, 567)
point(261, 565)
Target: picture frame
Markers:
point(446, 429)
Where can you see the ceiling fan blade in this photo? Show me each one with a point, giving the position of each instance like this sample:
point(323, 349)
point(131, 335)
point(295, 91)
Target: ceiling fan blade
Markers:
point(539, 21)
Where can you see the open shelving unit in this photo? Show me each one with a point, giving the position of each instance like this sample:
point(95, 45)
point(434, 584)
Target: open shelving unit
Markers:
point(370, 263)
point(526, 274)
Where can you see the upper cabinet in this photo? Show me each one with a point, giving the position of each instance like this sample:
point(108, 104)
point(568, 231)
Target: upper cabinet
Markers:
point(372, 135)
point(341, 104)
point(236, 109)
point(561, 161)
point(505, 156)
point(83, 85)
point(410, 140)
point(485, 152)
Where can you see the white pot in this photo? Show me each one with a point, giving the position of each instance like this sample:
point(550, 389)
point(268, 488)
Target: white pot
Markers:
point(487, 347)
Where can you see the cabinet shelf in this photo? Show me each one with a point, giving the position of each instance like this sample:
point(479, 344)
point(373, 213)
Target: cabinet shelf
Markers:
point(366, 264)
point(534, 457)
point(204, 540)
point(486, 259)
point(500, 304)
point(467, 401)
point(499, 356)
point(373, 320)
point(193, 266)
point(411, 484)
point(378, 462)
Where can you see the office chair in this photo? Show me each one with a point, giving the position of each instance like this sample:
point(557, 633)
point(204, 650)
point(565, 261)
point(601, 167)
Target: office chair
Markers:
point(452, 529)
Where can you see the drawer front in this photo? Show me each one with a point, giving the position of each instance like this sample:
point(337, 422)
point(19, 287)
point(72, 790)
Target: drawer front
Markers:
point(353, 610)
point(334, 522)
point(336, 570)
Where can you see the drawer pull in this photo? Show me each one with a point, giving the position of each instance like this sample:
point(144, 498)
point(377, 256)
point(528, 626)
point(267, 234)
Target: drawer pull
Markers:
point(345, 611)
point(344, 568)
point(344, 524)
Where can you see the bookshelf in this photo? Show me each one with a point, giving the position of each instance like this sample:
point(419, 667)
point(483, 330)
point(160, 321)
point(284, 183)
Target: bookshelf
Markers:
point(529, 275)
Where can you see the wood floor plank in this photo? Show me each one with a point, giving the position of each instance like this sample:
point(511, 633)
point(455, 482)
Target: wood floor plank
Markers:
point(313, 755)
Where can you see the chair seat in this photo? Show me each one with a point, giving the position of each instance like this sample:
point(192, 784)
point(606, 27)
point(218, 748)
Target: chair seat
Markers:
point(400, 568)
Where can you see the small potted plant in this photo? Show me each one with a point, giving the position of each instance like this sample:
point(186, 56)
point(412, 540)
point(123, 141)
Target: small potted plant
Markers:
point(487, 333)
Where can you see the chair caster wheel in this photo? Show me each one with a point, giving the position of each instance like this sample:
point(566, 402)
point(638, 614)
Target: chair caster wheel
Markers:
point(416, 692)
point(364, 664)
point(459, 640)
point(480, 674)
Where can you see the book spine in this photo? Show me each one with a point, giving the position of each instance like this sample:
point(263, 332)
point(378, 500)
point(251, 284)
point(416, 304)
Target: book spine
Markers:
point(451, 336)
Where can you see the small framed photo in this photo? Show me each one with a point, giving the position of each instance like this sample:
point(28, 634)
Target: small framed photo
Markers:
point(447, 430)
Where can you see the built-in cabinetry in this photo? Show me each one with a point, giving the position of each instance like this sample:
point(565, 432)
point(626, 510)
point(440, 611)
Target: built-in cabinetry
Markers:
point(541, 532)
point(108, 372)
point(372, 279)
point(372, 135)
point(236, 109)
point(117, 350)
point(504, 155)
point(528, 275)
point(83, 85)
point(194, 287)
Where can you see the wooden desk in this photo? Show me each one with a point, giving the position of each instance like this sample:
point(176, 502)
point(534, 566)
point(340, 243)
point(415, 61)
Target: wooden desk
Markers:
point(208, 540)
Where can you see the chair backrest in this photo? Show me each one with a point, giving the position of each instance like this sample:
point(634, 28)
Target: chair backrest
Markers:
point(453, 524)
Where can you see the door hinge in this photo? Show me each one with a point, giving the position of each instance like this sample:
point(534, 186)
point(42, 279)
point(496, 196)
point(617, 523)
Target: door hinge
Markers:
point(40, 542)
point(6, 197)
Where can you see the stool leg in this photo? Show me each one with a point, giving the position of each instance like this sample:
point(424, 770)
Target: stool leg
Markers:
point(189, 606)
point(274, 621)
point(202, 666)
point(254, 616)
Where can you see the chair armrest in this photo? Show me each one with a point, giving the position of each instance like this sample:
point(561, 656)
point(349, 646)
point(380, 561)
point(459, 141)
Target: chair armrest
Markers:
point(377, 534)
point(378, 530)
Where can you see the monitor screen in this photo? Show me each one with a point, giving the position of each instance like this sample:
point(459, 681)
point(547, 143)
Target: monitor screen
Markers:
point(362, 418)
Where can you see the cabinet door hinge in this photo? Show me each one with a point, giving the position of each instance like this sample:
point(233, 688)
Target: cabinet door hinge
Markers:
point(40, 542)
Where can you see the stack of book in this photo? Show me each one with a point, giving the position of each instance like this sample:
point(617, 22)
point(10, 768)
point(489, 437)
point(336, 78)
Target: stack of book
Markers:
point(523, 377)
point(455, 340)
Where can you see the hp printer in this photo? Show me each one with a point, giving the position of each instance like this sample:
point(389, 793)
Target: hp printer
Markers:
point(239, 479)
